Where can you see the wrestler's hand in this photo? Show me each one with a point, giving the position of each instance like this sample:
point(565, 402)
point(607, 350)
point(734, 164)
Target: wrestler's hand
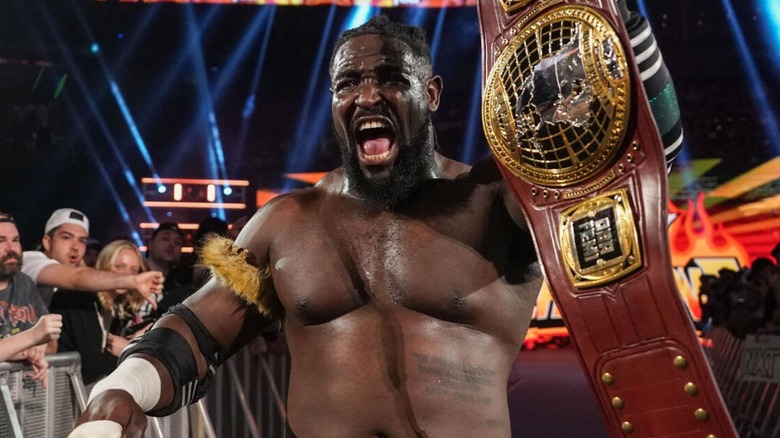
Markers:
point(116, 406)
point(149, 284)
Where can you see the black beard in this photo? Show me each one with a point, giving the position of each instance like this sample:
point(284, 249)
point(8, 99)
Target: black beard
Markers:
point(414, 160)
point(6, 273)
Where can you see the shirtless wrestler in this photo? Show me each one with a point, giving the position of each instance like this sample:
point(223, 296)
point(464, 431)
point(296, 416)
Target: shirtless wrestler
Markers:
point(404, 281)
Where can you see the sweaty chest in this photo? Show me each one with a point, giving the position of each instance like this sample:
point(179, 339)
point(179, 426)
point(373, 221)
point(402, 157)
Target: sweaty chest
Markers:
point(329, 266)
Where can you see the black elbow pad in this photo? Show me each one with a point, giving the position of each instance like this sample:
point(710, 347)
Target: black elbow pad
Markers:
point(172, 350)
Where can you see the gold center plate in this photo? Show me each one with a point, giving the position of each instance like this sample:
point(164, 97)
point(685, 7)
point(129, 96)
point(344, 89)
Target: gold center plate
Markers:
point(556, 103)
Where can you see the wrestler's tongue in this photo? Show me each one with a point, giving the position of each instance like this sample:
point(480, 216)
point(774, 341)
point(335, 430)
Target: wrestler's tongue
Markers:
point(376, 146)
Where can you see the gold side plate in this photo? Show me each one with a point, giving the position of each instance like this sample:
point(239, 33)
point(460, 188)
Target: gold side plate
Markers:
point(599, 240)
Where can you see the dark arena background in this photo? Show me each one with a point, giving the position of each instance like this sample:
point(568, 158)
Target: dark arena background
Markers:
point(141, 112)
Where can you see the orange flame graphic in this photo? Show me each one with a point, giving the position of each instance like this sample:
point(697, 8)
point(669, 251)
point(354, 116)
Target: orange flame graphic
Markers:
point(696, 251)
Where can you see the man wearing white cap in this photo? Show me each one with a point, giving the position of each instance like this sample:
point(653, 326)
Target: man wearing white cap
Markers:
point(64, 244)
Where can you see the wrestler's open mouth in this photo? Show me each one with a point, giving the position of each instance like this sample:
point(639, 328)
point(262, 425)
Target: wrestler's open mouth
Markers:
point(376, 141)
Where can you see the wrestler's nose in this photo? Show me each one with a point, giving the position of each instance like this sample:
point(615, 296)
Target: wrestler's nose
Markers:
point(368, 94)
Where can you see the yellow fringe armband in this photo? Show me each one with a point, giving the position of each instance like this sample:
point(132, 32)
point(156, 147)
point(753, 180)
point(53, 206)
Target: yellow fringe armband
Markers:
point(235, 267)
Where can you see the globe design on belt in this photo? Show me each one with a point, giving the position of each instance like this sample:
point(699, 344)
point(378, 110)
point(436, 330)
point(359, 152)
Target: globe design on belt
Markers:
point(556, 103)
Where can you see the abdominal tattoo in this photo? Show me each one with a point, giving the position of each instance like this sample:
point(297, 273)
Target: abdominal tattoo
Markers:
point(456, 381)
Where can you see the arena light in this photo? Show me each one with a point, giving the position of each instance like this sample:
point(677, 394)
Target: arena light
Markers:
point(642, 8)
point(770, 16)
point(767, 113)
point(177, 192)
point(211, 193)
point(474, 120)
point(359, 16)
point(184, 204)
point(311, 123)
point(197, 181)
point(154, 225)
point(416, 16)
point(249, 104)
point(97, 114)
point(139, 141)
point(173, 73)
point(437, 35)
point(756, 177)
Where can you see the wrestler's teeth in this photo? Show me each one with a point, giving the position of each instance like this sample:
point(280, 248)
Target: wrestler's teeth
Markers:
point(371, 125)
point(376, 158)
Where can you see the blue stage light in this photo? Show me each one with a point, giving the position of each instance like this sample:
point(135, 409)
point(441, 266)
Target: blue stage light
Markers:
point(474, 121)
point(97, 115)
point(360, 15)
point(94, 48)
point(161, 189)
point(227, 191)
point(767, 112)
point(312, 123)
point(437, 35)
point(139, 141)
point(770, 16)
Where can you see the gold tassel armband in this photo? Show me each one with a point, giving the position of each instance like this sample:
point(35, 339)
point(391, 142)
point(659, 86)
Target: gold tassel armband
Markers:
point(237, 268)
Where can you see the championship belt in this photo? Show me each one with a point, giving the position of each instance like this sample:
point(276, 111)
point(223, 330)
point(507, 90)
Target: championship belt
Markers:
point(567, 118)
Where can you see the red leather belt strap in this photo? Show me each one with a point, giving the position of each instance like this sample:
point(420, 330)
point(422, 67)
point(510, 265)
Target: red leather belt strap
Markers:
point(599, 221)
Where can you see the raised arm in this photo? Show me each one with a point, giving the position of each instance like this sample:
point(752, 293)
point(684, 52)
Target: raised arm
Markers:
point(94, 280)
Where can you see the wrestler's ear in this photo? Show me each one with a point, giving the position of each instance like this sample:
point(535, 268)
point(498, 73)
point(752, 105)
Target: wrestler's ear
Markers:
point(433, 89)
point(46, 243)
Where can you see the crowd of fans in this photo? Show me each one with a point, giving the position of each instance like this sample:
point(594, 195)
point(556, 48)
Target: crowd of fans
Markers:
point(743, 301)
point(74, 294)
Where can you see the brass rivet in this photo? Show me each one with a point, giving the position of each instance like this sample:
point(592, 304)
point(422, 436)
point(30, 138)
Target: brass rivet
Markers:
point(680, 362)
point(635, 145)
point(629, 158)
point(545, 193)
point(504, 41)
point(557, 194)
point(691, 389)
point(701, 415)
point(627, 427)
point(617, 402)
point(711, 436)
point(513, 31)
point(607, 379)
point(621, 168)
point(534, 191)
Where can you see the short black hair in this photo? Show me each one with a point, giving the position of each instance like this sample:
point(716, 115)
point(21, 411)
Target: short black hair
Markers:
point(412, 36)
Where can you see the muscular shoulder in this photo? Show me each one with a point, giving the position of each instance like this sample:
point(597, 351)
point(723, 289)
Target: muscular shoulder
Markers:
point(276, 216)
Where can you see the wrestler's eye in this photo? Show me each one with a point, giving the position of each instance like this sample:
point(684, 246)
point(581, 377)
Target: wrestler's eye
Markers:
point(345, 84)
point(394, 79)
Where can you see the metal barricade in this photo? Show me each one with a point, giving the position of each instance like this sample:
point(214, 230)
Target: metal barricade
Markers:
point(754, 403)
point(29, 410)
point(248, 396)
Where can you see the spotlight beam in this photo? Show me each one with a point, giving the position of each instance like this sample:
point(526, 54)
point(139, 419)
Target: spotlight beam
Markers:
point(81, 83)
point(767, 113)
point(249, 106)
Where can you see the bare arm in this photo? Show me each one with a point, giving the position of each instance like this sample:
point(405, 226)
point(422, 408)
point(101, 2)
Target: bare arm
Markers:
point(227, 319)
point(94, 280)
point(48, 328)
